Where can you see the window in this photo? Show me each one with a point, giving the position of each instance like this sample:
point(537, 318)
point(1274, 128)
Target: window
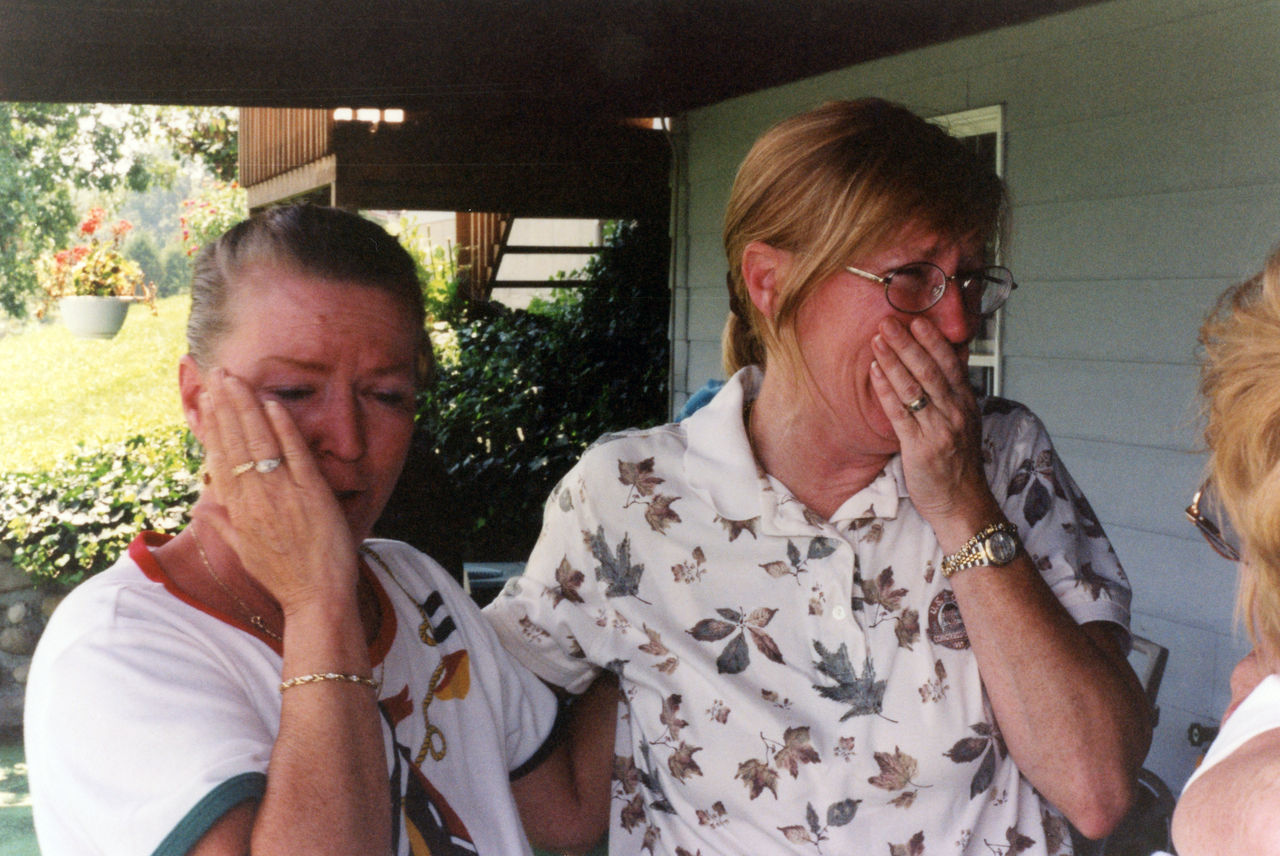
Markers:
point(983, 130)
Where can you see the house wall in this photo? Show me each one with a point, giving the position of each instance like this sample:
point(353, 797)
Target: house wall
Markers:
point(1143, 158)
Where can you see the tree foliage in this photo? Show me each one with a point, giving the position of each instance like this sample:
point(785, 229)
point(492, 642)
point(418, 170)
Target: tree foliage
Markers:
point(208, 135)
point(46, 152)
point(528, 391)
point(49, 153)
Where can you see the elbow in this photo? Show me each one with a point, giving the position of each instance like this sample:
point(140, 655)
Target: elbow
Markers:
point(1099, 810)
point(1098, 821)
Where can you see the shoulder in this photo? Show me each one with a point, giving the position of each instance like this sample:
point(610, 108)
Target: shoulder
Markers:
point(1005, 418)
point(1230, 808)
point(656, 440)
point(621, 454)
point(405, 558)
point(404, 571)
point(120, 598)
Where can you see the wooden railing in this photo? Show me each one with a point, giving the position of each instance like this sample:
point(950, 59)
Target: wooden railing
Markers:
point(480, 239)
point(274, 141)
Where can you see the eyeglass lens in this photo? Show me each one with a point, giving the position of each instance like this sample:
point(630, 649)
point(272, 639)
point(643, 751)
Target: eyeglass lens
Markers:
point(916, 287)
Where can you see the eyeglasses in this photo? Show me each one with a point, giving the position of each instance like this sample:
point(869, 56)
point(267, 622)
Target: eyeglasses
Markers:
point(918, 286)
point(1221, 539)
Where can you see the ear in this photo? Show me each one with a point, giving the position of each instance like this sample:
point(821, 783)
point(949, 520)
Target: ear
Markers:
point(190, 385)
point(763, 270)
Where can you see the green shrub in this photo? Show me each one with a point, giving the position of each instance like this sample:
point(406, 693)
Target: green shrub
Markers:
point(525, 392)
point(76, 518)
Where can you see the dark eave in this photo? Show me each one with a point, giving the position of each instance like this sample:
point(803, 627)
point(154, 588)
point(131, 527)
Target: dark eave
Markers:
point(494, 58)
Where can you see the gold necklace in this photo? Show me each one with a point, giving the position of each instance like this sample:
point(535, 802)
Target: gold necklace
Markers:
point(253, 618)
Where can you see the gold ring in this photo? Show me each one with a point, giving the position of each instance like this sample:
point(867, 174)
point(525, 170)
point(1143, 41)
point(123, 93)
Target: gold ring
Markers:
point(241, 469)
point(266, 465)
point(918, 404)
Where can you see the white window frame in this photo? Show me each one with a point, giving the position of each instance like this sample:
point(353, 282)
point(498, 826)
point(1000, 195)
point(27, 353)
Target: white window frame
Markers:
point(988, 352)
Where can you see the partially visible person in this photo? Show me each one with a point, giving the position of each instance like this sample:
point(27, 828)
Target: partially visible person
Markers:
point(700, 398)
point(854, 609)
point(1231, 804)
point(272, 680)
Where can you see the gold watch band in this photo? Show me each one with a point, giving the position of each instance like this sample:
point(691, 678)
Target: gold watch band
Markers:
point(974, 552)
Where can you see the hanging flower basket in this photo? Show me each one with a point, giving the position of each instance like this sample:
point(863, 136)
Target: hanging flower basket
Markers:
point(93, 283)
point(89, 317)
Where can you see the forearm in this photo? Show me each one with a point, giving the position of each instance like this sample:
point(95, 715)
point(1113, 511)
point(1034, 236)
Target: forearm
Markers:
point(1072, 712)
point(564, 803)
point(327, 788)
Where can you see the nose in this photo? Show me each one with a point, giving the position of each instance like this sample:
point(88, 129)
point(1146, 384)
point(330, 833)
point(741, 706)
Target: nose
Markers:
point(339, 430)
point(951, 317)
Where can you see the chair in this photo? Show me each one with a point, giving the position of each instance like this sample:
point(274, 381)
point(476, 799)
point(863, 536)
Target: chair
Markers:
point(1151, 659)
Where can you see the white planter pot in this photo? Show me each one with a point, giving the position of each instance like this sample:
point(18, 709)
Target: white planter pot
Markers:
point(93, 317)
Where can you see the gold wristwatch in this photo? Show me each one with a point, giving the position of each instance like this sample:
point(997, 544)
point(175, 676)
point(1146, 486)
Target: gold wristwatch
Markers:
point(995, 546)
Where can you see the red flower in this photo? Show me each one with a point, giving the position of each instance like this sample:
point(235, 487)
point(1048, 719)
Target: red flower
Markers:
point(93, 221)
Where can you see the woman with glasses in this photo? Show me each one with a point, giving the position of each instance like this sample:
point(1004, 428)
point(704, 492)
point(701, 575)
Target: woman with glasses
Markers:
point(1232, 803)
point(852, 607)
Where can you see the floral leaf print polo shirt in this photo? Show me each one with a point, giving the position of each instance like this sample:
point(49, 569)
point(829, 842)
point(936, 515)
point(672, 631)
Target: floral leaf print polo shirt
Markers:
point(793, 684)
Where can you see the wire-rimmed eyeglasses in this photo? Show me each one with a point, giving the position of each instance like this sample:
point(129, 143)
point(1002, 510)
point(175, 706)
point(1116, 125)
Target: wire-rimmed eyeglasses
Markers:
point(916, 287)
point(1203, 509)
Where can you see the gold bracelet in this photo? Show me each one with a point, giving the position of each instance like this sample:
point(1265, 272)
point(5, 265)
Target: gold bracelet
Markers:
point(317, 677)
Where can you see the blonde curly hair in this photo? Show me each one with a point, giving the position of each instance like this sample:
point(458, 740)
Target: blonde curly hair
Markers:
point(1240, 389)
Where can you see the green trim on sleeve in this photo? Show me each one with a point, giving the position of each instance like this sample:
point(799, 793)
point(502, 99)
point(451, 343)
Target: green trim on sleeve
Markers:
point(216, 803)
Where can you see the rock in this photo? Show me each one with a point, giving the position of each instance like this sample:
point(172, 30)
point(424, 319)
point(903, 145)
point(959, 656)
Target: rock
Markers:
point(18, 640)
point(10, 710)
point(17, 613)
point(20, 672)
point(12, 579)
point(49, 604)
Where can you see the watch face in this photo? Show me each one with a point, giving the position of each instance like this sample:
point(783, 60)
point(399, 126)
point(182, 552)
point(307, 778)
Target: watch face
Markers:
point(1003, 547)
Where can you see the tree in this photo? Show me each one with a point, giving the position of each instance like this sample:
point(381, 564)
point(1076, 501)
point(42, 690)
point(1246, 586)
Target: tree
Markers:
point(49, 152)
point(209, 135)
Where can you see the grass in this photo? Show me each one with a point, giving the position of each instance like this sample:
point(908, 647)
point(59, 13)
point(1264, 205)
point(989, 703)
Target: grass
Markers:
point(17, 836)
point(56, 390)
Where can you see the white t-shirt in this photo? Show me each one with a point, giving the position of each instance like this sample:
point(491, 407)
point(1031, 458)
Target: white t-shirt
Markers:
point(147, 717)
point(791, 681)
point(1259, 712)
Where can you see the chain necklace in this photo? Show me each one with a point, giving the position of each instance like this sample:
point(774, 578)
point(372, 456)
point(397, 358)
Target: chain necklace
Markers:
point(253, 618)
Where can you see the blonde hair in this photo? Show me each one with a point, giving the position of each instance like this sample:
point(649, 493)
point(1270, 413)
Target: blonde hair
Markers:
point(834, 182)
point(1240, 388)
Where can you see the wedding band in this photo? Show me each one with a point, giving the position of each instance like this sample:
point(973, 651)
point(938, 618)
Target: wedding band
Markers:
point(266, 465)
point(918, 405)
point(241, 469)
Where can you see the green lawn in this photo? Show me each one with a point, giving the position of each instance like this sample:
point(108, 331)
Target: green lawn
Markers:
point(54, 390)
point(17, 838)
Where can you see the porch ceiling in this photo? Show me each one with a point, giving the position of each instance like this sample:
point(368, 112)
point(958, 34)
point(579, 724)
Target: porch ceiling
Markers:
point(477, 58)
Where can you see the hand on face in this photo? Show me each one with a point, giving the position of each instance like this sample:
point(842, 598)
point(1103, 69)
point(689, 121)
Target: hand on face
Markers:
point(285, 524)
point(941, 441)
